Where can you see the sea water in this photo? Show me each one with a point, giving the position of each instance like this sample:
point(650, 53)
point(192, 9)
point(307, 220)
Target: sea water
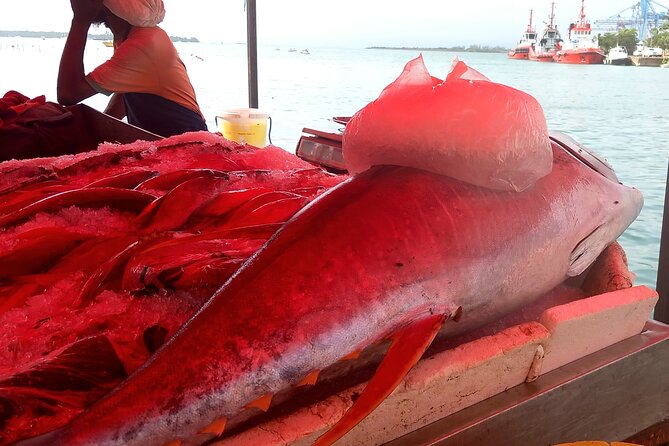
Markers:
point(621, 113)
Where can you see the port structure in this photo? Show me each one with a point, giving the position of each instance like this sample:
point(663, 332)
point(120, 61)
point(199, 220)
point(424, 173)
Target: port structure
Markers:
point(643, 15)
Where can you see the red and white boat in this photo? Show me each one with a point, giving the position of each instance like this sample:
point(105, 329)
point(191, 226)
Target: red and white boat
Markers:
point(526, 42)
point(550, 42)
point(582, 47)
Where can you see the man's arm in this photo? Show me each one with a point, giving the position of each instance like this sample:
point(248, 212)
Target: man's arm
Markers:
point(116, 106)
point(72, 86)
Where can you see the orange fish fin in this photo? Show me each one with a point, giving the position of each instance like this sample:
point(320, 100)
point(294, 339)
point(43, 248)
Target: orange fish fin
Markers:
point(217, 427)
point(355, 354)
point(408, 346)
point(174, 443)
point(261, 403)
point(310, 379)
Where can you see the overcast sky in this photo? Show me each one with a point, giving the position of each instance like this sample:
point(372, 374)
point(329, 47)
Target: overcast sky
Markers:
point(341, 23)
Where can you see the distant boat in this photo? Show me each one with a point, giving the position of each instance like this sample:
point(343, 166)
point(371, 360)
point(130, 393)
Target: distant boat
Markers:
point(618, 56)
point(292, 50)
point(550, 42)
point(108, 43)
point(582, 47)
point(646, 56)
point(305, 51)
point(529, 38)
point(647, 51)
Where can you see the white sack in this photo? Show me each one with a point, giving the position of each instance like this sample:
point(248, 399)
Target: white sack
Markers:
point(144, 13)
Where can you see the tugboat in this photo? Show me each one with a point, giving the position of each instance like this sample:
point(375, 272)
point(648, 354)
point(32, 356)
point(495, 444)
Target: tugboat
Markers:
point(550, 43)
point(528, 39)
point(582, 47)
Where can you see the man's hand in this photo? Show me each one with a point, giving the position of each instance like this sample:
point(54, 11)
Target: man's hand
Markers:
point(85, 11)
point(72, 86)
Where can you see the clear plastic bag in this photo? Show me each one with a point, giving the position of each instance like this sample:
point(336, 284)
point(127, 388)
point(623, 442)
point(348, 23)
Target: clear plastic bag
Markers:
point(466, 127)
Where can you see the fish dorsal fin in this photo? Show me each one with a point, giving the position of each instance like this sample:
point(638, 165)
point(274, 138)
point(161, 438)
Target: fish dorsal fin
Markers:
point(261, 403)
point(355, 354)
point(310, 379)
point(407, 347)
point(217, 427)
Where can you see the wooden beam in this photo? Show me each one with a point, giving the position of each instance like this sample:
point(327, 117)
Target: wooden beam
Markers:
point(252, 49)
point(662, 308)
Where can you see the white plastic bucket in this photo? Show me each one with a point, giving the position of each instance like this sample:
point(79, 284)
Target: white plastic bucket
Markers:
point(244, 125)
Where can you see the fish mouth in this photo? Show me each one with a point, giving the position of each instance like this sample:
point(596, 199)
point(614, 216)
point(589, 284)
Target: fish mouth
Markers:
point(626, 208)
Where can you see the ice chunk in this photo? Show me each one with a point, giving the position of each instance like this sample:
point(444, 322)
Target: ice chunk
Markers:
point(466, 127)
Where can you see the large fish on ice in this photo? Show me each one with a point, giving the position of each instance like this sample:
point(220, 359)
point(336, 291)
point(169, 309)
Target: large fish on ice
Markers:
point(389, 253)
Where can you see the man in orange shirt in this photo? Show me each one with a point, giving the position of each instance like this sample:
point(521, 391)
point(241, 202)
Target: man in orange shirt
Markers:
point(145, 76)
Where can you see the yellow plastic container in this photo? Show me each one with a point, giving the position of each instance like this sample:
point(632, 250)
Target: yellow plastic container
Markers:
point(244, 125)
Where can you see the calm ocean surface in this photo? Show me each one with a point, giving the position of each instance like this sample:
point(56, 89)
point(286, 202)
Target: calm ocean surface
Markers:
point(622, 113)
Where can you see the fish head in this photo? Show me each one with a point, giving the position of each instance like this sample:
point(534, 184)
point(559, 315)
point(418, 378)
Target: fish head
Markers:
point(619, 205)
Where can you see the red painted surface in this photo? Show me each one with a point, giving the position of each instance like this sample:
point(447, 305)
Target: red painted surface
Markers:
point(541, 56)
point(580, 56)
point(518, 54)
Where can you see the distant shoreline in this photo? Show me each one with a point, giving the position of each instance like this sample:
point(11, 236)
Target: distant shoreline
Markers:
point(60, 35)
point(460, 49)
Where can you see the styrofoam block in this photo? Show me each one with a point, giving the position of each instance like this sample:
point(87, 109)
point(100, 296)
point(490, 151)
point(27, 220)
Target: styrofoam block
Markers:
point(452, 380)
point(587, 325)
point(469, 373)
point(434, 388)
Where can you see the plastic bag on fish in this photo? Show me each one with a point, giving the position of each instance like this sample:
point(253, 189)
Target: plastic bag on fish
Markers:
point(145, 13)
point(466, 127)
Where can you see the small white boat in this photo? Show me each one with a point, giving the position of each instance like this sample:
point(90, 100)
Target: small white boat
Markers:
point(618, 56)
point(647, 51)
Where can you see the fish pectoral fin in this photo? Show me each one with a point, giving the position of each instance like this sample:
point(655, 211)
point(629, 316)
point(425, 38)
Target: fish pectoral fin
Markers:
point(587, 251)
point(408, 345)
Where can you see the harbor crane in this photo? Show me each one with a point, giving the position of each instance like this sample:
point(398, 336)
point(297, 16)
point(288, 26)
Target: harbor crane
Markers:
point(643, 15)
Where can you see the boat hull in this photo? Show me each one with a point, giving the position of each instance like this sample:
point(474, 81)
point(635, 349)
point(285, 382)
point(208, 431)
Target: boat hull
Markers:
point(541, 56)
point(588, 56)
point(518, 54)
point(622, 61)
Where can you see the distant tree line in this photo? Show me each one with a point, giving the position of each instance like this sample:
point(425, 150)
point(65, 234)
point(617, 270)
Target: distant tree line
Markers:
point(659, 37)
point(459, 48)
point(58, 35)
point(628, 38)
point(625, 37)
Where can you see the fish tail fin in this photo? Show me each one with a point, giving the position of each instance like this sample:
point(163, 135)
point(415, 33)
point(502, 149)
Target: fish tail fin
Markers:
point(407, 347)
